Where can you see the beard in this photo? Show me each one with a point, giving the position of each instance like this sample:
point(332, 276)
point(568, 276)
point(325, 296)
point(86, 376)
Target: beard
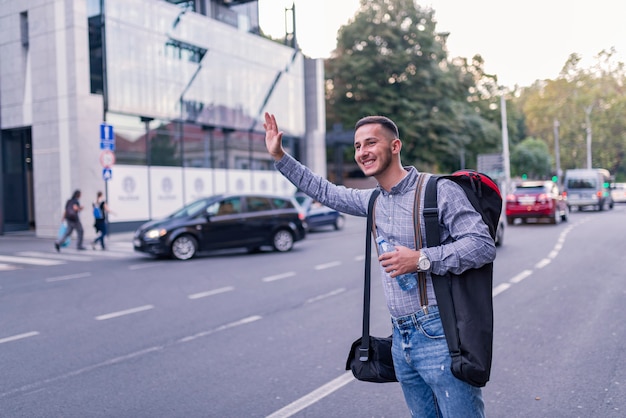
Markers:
point(381, 164)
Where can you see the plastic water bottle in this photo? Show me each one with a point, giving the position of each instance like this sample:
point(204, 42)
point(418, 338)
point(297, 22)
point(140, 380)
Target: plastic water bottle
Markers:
point(406, 281)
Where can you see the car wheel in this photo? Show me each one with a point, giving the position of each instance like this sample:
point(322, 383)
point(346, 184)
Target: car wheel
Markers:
point(510, 220)
point(184, 247)
point(339, 222)
point(282, 240)
point(556, 218)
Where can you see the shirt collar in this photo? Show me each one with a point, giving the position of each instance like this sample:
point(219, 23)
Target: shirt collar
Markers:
point(405, 185)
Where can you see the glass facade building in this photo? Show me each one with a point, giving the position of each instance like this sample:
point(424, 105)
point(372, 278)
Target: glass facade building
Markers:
point(183, 86)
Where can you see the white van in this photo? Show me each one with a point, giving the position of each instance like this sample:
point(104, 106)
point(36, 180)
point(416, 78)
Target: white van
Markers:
point(588, 188)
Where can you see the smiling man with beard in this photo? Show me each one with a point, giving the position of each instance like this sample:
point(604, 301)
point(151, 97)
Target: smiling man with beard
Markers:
point(420, 351)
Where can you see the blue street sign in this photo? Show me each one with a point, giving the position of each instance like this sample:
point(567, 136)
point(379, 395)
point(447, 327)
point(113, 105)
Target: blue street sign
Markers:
point(106, 132)
point(107, 174)
point(107, 137)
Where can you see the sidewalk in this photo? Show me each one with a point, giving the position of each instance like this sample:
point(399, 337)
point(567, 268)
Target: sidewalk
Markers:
point(21, 240)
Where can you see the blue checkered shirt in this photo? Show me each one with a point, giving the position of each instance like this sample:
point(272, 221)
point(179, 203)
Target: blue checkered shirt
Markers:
point(465, 238)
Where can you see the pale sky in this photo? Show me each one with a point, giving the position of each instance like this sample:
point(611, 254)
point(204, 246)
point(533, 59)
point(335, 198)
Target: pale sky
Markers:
point(520, 41)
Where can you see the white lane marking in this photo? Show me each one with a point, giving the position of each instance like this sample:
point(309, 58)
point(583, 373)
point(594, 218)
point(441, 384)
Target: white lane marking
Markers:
point(100, 253)
point(68, 277)
point(7, 267)
point(553, 254)
point(359, 257)
point(124, 312)
point(18, 337)
point(313, 397)
point(521, 276)
point(327, 295)
point(499, 289)
point(55, 256)
point(221, 328)
point(29, 260)
point(142, 266)
point(211, 292)
point(34, 386)
point(327, 265)
point(543, 263)
point(279, 276)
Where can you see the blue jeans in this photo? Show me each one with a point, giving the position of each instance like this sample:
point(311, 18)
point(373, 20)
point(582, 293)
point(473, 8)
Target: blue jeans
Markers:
point(422, 363)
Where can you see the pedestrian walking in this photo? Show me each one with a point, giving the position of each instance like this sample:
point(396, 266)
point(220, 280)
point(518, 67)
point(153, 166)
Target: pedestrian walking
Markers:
point(72, 218)
point(100, 212)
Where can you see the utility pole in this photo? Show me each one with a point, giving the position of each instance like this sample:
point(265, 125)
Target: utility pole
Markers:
point(557, 152)
point(588, 129)
point(505, 145)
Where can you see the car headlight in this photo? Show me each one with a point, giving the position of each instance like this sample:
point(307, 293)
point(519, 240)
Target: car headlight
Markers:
point(155, 233)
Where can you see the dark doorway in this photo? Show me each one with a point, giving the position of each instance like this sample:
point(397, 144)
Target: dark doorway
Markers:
point(17, 180)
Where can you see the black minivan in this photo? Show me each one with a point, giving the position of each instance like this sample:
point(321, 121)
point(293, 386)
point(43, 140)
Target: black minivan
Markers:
point(221, 222)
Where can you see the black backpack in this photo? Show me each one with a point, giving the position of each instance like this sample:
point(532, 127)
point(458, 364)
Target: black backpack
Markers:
point(465, 301)
point(70, 212)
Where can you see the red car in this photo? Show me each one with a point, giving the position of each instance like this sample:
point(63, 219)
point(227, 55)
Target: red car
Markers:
point(536, 200)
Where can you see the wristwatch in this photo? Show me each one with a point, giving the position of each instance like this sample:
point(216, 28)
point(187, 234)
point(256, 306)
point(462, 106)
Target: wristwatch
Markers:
point(423, 264)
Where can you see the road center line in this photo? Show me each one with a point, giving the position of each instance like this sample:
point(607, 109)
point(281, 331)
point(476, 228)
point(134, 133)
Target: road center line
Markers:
point(68, 277)
point(211, 292)
point(327, 265)
point(543, 263)
point(221, 328)
point(143, 266)
point(124, 312)
point(18, 337)
point(279, 276)
point(309, 399)
point(499, 289)
point(521, 276)
point(327, 295)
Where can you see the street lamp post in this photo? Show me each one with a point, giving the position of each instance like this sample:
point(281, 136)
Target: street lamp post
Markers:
point(588, 129)
point(146, 120)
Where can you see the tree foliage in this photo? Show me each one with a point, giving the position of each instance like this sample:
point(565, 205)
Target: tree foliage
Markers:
point(391, 61)
point(579, 94)
point(532, 158)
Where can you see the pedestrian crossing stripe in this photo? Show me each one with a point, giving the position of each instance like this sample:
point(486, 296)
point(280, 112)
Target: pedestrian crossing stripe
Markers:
point(7, 267)
point(30, 260)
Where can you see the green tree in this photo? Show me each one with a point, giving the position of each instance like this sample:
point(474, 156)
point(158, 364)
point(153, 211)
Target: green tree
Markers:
point(577, 95)
point(531, 157)
point(390, 60)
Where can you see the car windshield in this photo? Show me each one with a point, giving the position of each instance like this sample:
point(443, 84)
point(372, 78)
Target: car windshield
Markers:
point(581, 183)
point(529, 189)
point(190, 210)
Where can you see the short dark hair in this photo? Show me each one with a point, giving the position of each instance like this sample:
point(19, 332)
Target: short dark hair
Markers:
point(384, 121)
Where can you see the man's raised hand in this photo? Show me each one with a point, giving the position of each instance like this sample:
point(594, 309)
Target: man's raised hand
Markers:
point(273, 138)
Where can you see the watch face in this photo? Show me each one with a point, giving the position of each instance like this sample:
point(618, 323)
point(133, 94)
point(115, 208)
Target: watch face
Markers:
point(424, 263)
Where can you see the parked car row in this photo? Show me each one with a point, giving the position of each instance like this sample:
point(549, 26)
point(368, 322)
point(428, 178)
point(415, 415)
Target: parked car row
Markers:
point(249, 221)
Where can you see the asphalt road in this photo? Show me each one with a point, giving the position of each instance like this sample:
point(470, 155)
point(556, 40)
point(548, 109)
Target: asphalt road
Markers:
point(89, 334)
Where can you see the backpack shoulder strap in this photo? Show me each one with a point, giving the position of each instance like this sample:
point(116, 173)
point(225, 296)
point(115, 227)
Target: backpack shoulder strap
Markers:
point(431, 212)
point(365, 340)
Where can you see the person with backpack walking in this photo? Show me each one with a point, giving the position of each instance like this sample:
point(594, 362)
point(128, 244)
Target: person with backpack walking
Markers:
point(420, 353)
point(71, 217)
point(100, 212)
